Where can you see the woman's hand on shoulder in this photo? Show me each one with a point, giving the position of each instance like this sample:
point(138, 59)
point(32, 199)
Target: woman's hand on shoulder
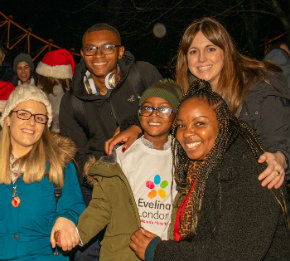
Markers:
point(274, 174)
point(64, 234)
point(140, 239)
point(127, 137)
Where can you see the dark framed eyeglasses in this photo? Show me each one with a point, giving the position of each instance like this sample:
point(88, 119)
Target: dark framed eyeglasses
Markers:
point(26, 115)
point(162, 112)
point(105, 49)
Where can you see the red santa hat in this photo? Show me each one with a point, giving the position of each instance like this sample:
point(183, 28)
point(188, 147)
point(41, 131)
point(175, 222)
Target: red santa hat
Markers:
point(5, 89)
point(58, 64)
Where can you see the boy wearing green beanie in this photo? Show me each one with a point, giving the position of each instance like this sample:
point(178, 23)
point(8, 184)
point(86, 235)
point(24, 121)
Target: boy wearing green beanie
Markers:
point(135, 188)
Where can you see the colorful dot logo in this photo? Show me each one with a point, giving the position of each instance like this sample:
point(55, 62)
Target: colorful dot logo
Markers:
point(151, 185)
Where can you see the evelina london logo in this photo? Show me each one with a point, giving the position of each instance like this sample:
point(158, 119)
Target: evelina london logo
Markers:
point(157, 187)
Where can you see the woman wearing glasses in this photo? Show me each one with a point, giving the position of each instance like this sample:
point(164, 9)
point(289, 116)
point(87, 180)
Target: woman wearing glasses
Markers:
point(35, 165)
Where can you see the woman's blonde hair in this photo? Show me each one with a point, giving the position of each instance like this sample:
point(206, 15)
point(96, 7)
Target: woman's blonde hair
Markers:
point(238, 72)
point(44, 151)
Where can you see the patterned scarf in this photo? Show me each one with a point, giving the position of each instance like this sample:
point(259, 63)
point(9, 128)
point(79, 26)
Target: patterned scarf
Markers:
point(186, 221)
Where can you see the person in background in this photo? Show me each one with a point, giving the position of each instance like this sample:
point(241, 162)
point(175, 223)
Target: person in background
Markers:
point(221, 211)
point(54, 74)
point(6, 72)
point(39, 189)
point(23, 68)
point(5, 89)
point(106, 89)
point(277, 51)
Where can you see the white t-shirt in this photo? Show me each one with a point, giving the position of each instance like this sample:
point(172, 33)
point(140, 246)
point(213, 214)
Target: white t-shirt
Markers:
point(150, 174)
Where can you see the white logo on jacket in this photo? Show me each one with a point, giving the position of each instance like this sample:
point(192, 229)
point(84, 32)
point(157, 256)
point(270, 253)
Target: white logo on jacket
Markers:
point(131, 98)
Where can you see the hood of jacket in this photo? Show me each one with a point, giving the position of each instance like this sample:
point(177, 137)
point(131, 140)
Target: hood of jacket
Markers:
point(277, 87)
point(78, 88)
point(65, 148)
point(281, 58)
point(106, 166)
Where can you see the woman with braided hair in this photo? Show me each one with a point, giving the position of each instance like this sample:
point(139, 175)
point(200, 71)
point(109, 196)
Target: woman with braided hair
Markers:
point(221, 211)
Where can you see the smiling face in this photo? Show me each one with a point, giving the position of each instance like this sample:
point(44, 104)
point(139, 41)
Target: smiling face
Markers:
point(25, 133)
point(197, 128)
point(156, 129)
point(205, 59)
point(23, 72)
point(99, 64)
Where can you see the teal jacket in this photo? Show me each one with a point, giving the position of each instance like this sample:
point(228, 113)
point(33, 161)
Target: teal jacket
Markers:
point(25, 230)
point(112, 207)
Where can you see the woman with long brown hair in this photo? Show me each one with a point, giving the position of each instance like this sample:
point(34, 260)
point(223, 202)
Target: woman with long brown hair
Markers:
point(255, 91)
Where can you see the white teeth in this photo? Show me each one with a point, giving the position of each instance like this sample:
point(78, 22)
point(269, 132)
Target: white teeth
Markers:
point(193, 144)
point(154, 124)
point(204, 68)
point(29, 131)
point(99, 64)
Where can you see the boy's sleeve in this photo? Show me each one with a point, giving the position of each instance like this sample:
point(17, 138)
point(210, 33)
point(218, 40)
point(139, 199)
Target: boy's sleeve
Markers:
point(69, 127)
point(97, 214)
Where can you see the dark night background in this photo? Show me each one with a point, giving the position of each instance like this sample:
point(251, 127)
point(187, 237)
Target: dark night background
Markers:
point(250, 23)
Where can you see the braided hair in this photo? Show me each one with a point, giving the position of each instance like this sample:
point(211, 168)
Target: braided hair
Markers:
point(229, 129)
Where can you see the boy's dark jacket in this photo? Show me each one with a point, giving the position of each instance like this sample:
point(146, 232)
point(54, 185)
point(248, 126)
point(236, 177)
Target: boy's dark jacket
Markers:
point(104, 114)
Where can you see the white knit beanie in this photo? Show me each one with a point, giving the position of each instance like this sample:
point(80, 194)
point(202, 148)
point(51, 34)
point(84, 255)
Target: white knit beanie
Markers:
point(26, 92)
